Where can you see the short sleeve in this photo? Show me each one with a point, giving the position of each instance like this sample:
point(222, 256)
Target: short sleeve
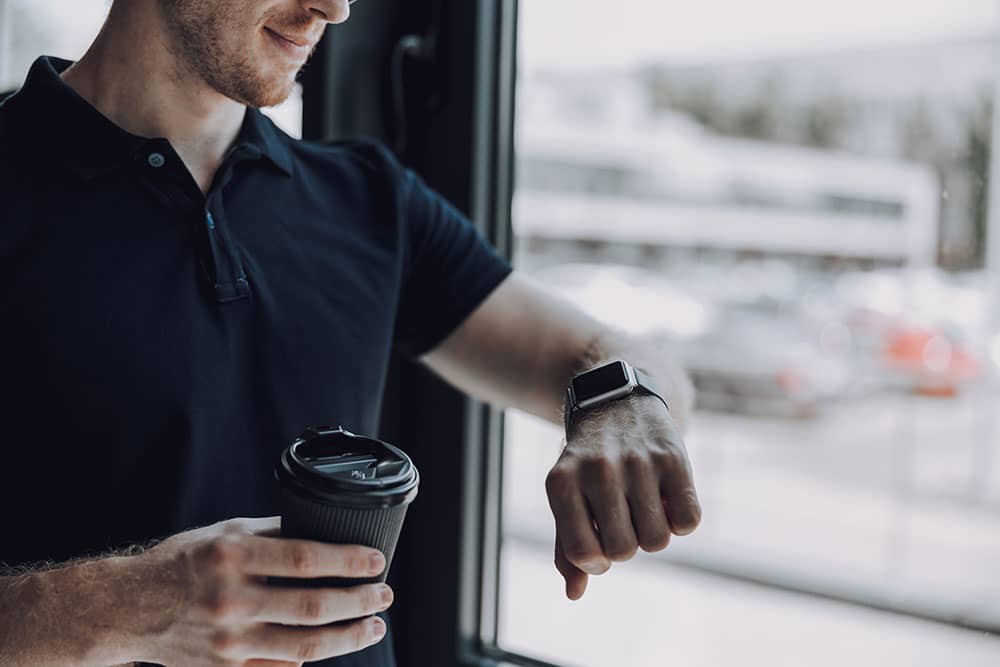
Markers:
point(449, 268)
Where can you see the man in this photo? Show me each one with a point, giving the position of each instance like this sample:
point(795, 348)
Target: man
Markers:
point(188, 288)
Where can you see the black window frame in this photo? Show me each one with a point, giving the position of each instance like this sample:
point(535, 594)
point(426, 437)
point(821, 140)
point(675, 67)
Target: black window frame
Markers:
point(457, 105)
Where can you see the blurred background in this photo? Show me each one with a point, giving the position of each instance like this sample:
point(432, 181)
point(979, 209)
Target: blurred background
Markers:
point(792, 198)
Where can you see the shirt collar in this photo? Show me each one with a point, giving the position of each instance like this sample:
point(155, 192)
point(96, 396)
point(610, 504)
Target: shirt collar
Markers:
point(53, 119)
point(259, 131)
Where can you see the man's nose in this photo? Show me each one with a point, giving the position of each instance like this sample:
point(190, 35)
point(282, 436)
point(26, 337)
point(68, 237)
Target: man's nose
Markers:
point(331, 11)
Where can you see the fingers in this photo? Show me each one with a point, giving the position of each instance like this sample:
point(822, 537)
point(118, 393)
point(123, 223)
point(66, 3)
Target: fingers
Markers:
point(677, 490)
point(574, 524)
point(576, 579)
point(297, 645)
point(603, 487)
point(649, 518)
point(611, 496)
point(319, 606)
point(278, 557)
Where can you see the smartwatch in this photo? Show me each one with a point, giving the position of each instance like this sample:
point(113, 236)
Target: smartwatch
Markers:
point(606, 383)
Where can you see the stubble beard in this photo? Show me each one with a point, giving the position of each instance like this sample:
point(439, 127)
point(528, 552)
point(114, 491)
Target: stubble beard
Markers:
point(198, 30)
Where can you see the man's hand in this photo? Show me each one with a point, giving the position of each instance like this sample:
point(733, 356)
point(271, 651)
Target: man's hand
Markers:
point(622, 482)
point(216, 608)
point(197, 599)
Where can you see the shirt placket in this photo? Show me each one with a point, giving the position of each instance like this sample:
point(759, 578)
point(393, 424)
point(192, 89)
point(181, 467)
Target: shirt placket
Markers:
point(231, 282)
point(221, 258)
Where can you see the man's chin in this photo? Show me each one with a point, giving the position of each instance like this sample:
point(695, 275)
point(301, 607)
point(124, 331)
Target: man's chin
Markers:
point(272, 100)
point(263, 95)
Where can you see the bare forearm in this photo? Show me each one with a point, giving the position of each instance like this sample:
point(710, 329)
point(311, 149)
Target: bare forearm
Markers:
point(522, 346)
point(75, 615)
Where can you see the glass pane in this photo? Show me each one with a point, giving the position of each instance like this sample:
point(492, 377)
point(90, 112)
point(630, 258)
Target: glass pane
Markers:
point(288, 114)
point(791, 198)
point(29, 28)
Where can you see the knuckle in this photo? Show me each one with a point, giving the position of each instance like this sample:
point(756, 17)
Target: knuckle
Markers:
point(579, 553)
point(655, 542)
point(312, 607)
point(302, 559)
point(601, 470)
point(221, 604)
point(357, 561)
point(622, 552)
point(224, 555)
point(560, 479)
point(308, 650)
point(225, 643)
point(670, 458)
point(635, 462)
point(689, 519)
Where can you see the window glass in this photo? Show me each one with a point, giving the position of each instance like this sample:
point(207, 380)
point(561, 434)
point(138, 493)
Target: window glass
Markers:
point(29, 28)
point(792, 199)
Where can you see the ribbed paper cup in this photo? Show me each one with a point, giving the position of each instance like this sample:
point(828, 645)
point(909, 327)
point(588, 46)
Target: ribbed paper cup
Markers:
point(343, 488)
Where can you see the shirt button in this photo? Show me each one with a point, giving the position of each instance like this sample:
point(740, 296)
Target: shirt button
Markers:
point(156, 160)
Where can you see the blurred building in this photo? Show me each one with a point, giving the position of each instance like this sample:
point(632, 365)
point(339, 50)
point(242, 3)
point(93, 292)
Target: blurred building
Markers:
point(610, 167)
point(862, 111)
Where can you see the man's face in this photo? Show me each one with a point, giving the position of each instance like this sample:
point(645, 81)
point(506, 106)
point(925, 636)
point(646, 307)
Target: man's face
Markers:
point(249, 50)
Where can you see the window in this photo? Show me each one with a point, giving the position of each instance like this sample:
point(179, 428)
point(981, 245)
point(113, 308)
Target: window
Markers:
point(29, 29)
point(65, 29)
point(799, 203)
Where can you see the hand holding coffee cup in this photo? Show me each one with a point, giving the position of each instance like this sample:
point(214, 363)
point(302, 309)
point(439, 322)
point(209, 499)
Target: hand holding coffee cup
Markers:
point(204, 602)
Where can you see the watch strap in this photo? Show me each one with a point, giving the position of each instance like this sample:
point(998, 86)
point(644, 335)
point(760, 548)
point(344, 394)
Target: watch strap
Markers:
point(644, 383)
point(568, 408)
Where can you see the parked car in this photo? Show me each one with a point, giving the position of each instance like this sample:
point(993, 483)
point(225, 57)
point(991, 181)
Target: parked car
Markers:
point(915, 331)
point(743, 357)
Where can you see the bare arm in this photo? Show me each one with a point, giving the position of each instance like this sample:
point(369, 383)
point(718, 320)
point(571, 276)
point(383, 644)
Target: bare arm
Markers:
point(522, 346)
point(64, 615)
point(625, 467)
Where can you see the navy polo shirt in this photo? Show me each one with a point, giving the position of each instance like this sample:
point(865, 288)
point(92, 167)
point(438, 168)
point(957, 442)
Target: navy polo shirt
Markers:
point(160, 347)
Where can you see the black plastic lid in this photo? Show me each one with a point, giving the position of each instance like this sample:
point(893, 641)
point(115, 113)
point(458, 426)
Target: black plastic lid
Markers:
point(333, 465)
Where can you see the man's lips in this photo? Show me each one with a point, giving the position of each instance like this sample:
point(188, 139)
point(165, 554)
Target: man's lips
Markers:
point(296, 41)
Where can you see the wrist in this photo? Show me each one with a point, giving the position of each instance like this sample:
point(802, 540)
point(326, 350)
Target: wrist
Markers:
point(93, 608)
point(143, 603)
point(606, 384)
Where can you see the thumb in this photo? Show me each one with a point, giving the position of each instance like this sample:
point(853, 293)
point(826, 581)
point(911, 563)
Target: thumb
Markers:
point(576, 579)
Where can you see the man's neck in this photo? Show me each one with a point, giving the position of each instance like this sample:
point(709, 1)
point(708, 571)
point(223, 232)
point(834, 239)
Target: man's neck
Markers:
point(144, 89)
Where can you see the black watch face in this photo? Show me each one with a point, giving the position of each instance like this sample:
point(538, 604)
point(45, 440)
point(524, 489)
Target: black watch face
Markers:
point(600, 381)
